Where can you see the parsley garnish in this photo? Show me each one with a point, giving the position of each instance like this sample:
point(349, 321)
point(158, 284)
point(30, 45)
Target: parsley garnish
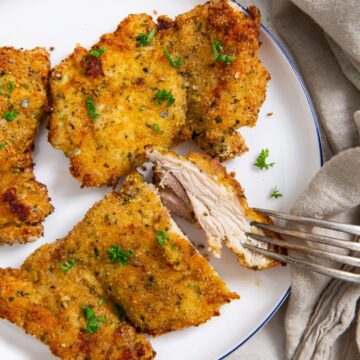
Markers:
point(219, 53)
point(97, 52)
point(276, 193)
point(11, 86)
point(218, 120)
point(92, 322)
point(157, 128)
point(145, 39)
point(261, 160)
point(91, 108)
point(10, 115)
point(116, 253)
point(161, 237)
point(68, 265)
point(1, 146)
point(173, 62)
point(163, 95)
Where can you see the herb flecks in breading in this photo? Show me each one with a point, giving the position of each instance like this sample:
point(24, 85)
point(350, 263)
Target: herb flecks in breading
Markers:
point(162, 96)
point(118, 254)
point(91, 109)
point(145, 39)
point(97, 52)
point(219, 53)
point(177, 62)
point(92, 322)
point(157, 128)
point(11, 86)
point(68, 265)
point(10, 115)
point(161, 237)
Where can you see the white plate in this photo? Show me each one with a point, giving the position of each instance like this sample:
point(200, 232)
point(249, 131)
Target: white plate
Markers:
point(291, 134)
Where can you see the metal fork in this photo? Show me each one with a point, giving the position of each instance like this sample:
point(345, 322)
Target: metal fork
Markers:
point(305, 248)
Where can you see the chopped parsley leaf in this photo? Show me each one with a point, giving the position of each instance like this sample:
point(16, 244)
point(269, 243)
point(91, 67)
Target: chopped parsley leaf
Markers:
point(11, 86)
point(145, 39)
point(161, 237)
point(163, 95)
point(261, 160)
point(68, 265)
point(92, 322)
point(101, 302)
point(116, 253)
point(218, 120)
point(97, 52)
point(157, 128)
point(276, 193)
point(219, 53)
point(2, 146)
point(173, 62)
point(10, 115)
point(91, 108)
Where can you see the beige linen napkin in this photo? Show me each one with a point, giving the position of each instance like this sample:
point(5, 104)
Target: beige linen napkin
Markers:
point(324, 38)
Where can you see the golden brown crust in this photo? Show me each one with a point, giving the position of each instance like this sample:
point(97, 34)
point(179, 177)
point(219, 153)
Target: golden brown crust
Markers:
point(50, 308)
point(221, 97)
point(123, 80)
point(154, 273)
point(24, 202)
point(160, 287)
point(122, 83)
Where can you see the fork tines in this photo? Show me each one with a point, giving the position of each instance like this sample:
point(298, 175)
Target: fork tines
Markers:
point(304, 248)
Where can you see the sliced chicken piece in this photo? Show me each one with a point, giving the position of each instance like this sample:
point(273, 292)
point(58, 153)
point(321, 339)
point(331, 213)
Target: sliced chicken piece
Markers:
point(202, 186)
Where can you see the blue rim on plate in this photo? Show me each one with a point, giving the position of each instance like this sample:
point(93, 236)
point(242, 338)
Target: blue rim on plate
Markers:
point(317, 129)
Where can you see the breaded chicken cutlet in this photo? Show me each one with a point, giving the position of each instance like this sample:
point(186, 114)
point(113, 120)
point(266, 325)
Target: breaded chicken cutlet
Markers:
point(127, 254)
point(226, 81)
point(198, 76)
point(110, 102)
point(67, 311)
point(24, 202)
point(198, 187)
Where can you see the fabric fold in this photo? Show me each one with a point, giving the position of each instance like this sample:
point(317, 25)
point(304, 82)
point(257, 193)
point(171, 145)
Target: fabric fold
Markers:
point(323, 36)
